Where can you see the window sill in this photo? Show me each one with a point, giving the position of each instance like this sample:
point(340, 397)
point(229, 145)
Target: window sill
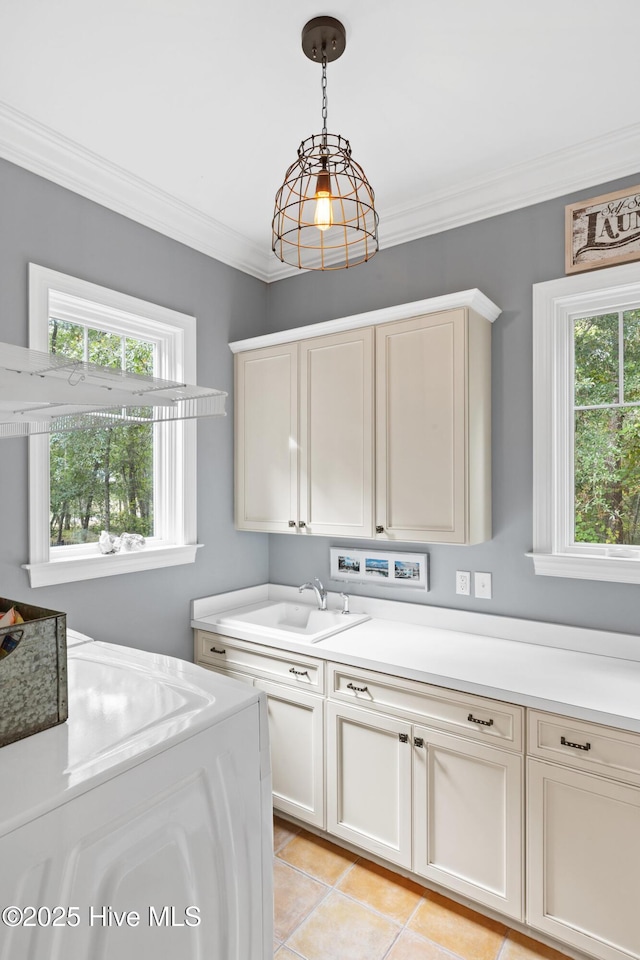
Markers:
point(613, 569)
point(90, 567)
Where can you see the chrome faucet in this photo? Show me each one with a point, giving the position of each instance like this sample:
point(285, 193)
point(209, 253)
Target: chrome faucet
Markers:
point(321, 593)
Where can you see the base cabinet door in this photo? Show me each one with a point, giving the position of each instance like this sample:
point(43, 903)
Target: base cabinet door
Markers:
point(584, 860)
point(296, 728)
point(468, 818)
point(369, 781)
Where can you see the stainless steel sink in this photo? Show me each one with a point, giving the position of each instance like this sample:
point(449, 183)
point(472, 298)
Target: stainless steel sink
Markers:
point(299, 621)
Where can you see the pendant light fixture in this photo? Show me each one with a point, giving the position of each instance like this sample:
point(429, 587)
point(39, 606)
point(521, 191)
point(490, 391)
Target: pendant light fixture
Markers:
point(324, 216)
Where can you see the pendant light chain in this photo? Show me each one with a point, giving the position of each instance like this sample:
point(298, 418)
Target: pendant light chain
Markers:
point(324, 98)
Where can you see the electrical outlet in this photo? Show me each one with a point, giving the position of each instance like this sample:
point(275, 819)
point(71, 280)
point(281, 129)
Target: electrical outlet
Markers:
point(482, 585)
point(463, 582)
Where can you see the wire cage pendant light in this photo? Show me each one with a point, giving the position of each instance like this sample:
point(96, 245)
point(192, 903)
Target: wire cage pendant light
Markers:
point(324, 217)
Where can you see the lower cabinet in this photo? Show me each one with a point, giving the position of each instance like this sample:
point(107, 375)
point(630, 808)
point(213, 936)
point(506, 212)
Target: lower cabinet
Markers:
point(432, 780)
point(294, 685)
point(584, 860)
point(446, 808)
point(468, 818)
point(296, 733)
point(369, 781)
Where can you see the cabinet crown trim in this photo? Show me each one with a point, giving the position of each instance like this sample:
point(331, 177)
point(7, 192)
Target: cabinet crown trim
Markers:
point(473, 299)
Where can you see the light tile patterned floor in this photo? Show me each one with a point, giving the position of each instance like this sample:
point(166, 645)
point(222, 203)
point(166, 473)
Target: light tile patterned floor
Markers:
point(332, 905)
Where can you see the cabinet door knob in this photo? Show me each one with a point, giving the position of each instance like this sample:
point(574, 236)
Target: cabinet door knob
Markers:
point(484, 723)
point(403, 737)
point(215, 650)
point(379, 529)
point(418, 742)
point(576, 746)
point(302, 524)
point(292, 523)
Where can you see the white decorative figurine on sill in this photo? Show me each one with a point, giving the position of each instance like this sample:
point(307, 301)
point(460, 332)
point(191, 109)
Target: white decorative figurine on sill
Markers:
point(128, 542)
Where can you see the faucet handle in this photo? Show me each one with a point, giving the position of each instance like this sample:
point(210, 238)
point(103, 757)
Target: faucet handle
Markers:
point(345, 602)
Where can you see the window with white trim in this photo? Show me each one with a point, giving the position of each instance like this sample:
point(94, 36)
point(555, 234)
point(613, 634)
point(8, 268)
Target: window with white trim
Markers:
point(148, 488)
point(586, 410)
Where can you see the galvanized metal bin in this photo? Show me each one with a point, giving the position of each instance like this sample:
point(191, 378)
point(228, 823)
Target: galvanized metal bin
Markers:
point(33, 675)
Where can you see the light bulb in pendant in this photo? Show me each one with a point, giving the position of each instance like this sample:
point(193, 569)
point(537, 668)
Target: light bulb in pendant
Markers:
point(323, 217)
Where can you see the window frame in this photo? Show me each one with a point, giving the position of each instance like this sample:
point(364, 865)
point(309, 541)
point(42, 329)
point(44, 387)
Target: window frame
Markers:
point(174, 540)
point(556, 304)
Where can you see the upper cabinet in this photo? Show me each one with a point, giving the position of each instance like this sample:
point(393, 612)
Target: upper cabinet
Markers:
point(433, 428)
point(336, 434)
point(266, 439)
point(379, 427)
point(304, 436)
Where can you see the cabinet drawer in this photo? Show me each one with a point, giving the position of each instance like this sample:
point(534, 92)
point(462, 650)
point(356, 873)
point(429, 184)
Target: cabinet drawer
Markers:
point(243, 677)
point(230, 654)
point(587, 746)
point(464, 714)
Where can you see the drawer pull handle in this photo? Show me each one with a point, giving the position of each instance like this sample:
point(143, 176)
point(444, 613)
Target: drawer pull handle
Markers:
point(576, 746)
point(299, 673)
point(484, 723)
point(418, 742)
point(215, 650)
point(403, 737)
point(352, 686)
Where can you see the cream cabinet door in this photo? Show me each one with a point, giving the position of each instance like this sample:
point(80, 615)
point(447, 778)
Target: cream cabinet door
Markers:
point(336, 434)
point(468, 819)
point(266, 439)
point(369, 781)
point(296, 734)
point(433, 428)
point(584, 860)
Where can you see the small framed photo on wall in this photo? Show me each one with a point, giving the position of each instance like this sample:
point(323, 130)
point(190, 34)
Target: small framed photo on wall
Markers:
point(382, 567)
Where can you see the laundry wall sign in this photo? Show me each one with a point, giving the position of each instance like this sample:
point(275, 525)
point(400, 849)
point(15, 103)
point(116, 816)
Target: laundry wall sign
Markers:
point(603, 231)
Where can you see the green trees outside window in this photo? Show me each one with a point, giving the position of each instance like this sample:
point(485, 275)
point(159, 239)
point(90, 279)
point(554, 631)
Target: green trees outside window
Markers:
point(101, 479)
point(607, 428)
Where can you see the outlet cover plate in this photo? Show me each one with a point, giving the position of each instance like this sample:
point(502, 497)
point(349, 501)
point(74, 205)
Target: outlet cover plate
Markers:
point(482, 585)
point(463, 582)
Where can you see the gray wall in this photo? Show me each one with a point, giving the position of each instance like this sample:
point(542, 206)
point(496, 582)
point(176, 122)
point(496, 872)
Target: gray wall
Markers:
point(503, 257)
point(48, 225)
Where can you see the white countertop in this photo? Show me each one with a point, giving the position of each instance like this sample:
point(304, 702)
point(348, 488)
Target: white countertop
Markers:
point(572, 682)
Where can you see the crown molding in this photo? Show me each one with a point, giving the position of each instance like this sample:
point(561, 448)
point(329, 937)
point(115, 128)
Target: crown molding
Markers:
point(474, 299)
point(36, 147)
point(553, 175)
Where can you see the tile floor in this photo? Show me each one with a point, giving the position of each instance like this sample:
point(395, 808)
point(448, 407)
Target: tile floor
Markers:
point(333, 905)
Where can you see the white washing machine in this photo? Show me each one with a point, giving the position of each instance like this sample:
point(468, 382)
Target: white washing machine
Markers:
point(142, 826)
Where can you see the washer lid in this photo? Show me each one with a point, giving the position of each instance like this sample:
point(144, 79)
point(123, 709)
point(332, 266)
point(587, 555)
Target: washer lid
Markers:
point(125, 706)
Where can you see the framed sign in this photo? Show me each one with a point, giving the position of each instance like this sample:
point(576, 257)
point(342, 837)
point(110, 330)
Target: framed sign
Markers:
point(603, 231)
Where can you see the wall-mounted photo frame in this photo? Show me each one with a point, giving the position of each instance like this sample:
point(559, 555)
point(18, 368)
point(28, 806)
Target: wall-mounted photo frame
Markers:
point(603, 231)
point(382, 567)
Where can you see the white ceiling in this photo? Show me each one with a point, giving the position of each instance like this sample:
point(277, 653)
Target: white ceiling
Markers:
point(185, 114)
